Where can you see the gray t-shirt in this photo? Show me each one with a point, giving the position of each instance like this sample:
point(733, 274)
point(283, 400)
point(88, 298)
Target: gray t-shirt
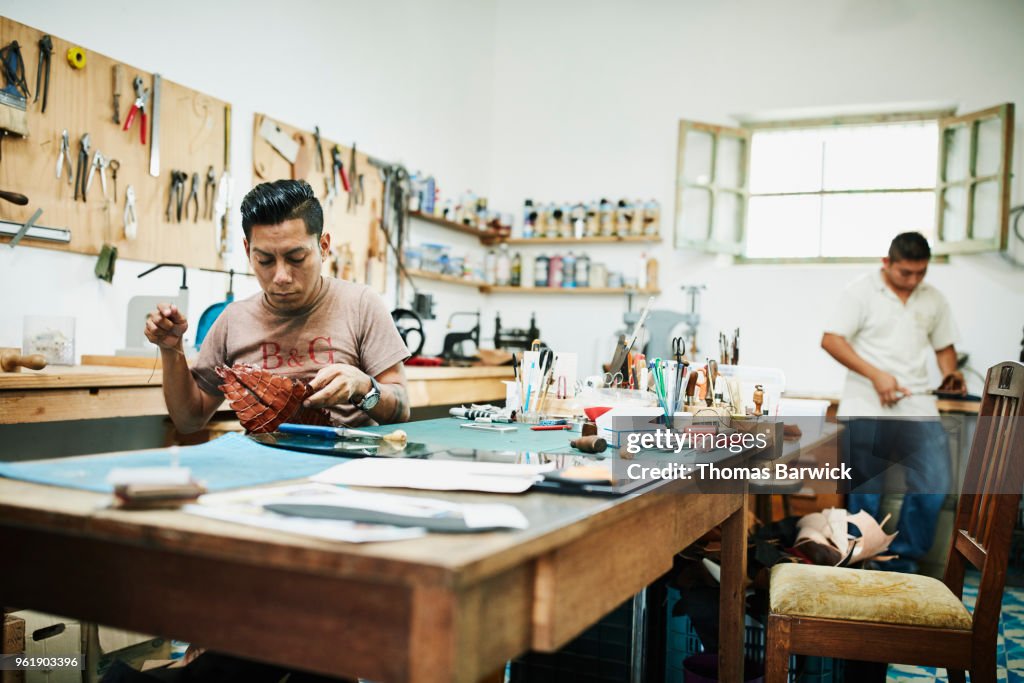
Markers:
point(346, 323)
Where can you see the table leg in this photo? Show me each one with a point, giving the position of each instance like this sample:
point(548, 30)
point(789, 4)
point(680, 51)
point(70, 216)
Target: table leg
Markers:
point(731, 602)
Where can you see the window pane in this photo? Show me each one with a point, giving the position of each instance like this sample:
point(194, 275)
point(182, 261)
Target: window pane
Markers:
point(986, 210)
point(891, 156)
point(727, 217)
point(695, 208)
point(958, 151)
point(783, 227)
point(864, 225)
point(990, 146)
point(697, 157)
point(729, 162)
point(785, 161)
point(954, 214)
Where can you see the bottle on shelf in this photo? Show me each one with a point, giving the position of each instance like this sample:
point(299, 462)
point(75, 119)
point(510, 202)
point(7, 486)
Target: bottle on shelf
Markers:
point(503, 268)
point(636, 225)
point(593, 222)
point(641, 272)
point(491, 267)
point(606, 219)
point(569, 270)
point(540, 271)
point(579, 220)
point(555, 271)
point(526, 278)
point(529, 218)
point(555, 226)
point(652, 273)
point(517, 270)
point(598, 275)
point(652, 217)
point(622, 218)
point(582, 275)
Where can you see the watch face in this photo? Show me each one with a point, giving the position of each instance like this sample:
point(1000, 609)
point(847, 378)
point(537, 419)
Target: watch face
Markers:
point(371, 400)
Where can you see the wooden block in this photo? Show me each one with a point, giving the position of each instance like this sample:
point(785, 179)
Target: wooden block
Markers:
point(14, 635)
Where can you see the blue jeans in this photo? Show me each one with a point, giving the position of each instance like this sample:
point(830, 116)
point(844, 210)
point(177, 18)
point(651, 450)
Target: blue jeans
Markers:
point(919, 445)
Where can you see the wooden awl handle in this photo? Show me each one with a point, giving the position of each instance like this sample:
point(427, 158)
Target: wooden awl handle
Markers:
point(13, 361)
point(14, 197)
point(589, 444)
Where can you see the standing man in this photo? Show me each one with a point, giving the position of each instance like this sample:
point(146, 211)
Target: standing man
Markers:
point(885, 328)
point(336, 335)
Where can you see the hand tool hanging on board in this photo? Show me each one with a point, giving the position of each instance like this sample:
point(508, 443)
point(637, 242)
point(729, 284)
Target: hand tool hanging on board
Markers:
point(176, 196)
point(338, 169)
point(25, 228)
point(222, 206)
point(13, 113)
point(131, 220)
point(45, 52)
point(138, 107)
point(209, 193)
point(117, 75)
point(353, 195)
point(193, 198)
point(14, 197)
point(114, 166)
point(279, 140)
point(80, 168)
point(99, 162)
point(105, 263)
point(64, 156)
point(319, 149)
point(154, 143)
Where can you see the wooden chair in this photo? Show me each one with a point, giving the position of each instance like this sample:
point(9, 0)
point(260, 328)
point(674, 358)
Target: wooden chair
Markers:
point(909, 619)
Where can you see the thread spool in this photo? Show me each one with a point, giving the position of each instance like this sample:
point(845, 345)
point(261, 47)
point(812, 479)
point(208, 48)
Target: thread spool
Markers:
point(589, 444)
point(76, 57)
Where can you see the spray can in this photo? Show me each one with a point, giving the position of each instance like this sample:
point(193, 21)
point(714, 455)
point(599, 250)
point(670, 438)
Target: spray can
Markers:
point(555, 271)
point(569, 270)
point(540, 271)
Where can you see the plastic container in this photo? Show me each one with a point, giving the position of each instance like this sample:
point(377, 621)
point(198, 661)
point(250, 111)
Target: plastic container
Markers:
point(51, 336)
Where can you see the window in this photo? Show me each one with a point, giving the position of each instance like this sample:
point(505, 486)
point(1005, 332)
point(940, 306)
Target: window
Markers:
point(835, 189)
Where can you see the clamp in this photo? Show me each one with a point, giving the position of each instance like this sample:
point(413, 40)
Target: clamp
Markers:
point(139, 106)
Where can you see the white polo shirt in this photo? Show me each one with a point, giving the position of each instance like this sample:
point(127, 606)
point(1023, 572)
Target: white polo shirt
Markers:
point(895, 337)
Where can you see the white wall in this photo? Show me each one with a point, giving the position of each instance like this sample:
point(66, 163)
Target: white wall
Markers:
point(409, 81)
point(587, 96)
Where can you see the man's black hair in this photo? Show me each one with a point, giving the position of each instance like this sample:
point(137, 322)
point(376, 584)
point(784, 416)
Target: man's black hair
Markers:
point(279, 201)
point(909, 246)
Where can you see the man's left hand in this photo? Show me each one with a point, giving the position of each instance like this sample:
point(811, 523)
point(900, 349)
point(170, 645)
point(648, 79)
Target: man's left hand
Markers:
point(337, 384)
point(954, 383)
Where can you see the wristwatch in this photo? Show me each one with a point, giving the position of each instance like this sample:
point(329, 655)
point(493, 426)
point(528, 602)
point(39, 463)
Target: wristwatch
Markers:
point(370, 400)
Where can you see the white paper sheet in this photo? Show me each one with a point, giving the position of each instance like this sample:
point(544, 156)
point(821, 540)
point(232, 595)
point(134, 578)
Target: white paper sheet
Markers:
point(434, 475)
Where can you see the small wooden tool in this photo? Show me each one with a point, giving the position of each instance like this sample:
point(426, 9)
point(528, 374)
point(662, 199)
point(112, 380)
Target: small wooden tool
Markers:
point(589, 444)
point(11, 360)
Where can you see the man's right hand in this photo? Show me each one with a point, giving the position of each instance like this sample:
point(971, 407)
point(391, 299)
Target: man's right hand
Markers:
point(166, 326)
point(889, 389)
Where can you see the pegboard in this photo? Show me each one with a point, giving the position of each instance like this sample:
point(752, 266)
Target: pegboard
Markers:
point(192, 138)
point(355, 225)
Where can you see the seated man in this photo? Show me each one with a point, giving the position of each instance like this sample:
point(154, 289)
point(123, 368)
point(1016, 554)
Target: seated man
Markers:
point(336, 335)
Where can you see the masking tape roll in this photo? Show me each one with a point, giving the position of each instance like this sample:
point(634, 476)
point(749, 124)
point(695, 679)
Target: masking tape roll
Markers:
point(76, 57)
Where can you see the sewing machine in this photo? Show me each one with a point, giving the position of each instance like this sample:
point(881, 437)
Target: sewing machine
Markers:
point(454, 342)
point(510, 339)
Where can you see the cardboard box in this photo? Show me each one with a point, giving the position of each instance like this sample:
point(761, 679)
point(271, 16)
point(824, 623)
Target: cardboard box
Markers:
point(14, 635)
point(47, 635)
point(105, 645)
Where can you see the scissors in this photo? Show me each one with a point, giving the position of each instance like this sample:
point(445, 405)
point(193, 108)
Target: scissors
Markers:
point(612, 380)
point(535, 346)
point(678, 348)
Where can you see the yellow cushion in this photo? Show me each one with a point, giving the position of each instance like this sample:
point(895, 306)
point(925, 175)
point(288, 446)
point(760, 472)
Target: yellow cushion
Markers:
point(802, 590)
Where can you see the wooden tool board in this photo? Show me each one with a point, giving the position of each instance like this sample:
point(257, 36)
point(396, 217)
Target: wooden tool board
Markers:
point(192, 129)
point(360, 229)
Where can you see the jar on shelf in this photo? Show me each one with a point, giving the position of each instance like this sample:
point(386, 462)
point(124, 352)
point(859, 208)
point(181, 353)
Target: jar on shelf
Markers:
point(540, 271)
point(569, 270)
point(582, 274)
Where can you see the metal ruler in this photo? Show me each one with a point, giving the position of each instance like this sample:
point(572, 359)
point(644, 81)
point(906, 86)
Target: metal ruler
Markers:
point(154, 142)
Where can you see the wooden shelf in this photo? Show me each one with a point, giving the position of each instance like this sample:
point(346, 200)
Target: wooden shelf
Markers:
point(484, 235)
point(494, 289)
point(426, 275)
point(613, 239)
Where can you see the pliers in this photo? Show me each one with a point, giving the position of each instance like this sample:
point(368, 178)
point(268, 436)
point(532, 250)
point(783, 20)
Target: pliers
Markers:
point(139, 106)
point(209, 193)
point(193, 197)
point(83, 162)
point(45, 50)
point(64, 157)
point(176, 195)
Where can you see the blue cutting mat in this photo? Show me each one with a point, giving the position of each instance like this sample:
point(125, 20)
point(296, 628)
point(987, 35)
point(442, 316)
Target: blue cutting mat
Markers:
point(232, 461)
point(445, 431)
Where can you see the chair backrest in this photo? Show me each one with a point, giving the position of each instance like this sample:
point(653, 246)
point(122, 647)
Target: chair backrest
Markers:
point(987, 509)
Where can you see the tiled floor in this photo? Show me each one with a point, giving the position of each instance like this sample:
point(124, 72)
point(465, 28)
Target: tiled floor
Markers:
point(1009, 650)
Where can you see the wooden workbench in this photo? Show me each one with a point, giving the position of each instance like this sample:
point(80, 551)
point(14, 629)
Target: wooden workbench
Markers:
point(99, 391)
point(447, 607)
